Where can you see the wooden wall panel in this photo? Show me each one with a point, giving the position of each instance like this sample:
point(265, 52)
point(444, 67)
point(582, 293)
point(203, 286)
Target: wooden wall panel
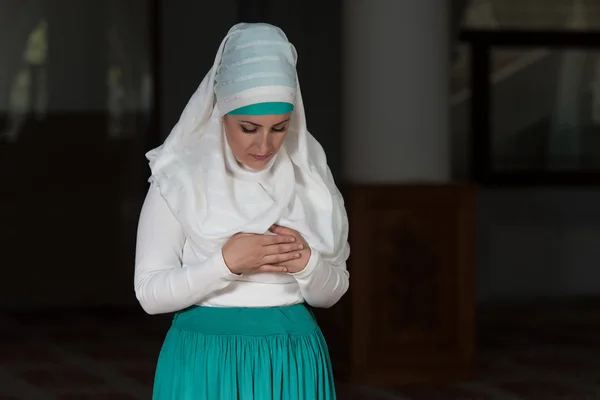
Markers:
point(409, 313)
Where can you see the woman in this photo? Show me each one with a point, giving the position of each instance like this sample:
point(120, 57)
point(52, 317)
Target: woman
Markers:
point(241, 228)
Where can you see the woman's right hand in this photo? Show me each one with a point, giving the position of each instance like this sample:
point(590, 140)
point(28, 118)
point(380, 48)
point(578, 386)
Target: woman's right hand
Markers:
point(247, 252)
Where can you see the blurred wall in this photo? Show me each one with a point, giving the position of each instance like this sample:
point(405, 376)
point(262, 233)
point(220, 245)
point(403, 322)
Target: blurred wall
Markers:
point(531, 242)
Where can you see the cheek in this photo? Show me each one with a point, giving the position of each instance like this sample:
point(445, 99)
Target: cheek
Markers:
point(279, 139)
point(238, 140)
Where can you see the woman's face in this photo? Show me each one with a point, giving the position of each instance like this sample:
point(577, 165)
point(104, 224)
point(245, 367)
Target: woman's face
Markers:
point(255, 139)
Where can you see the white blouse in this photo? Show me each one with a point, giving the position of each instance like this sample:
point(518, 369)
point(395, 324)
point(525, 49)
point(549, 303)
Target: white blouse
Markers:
point(169, 277)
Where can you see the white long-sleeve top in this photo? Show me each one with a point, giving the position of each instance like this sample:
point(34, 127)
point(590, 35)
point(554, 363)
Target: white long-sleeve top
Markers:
point(169, 277)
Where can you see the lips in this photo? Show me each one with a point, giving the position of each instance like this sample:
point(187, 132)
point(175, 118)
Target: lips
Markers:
point(259, 157)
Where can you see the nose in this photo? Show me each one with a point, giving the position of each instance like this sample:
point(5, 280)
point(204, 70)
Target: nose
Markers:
point(265, 143)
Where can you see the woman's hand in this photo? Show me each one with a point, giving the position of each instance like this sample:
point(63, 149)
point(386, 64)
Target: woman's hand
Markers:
point(247, 252)
point(295, 264)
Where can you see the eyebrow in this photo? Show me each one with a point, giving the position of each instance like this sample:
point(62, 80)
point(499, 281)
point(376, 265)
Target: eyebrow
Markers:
point(260, 126)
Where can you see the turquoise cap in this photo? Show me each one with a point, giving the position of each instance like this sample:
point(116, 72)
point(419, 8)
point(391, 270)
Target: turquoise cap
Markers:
point(268, 108)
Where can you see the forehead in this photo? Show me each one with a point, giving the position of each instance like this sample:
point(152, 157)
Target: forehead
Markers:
point(263, 120)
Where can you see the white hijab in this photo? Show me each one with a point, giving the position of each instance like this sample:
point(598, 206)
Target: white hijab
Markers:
point(213, 197)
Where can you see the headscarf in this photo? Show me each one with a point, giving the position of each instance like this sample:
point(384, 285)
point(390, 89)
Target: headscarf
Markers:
point(258, 66)
point(210, 194)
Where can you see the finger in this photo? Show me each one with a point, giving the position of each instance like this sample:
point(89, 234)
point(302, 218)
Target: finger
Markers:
point(282, 230)
point(273, 268)
point(268, 240)
point(244, 234)
point(282, 248)
point(281, 258)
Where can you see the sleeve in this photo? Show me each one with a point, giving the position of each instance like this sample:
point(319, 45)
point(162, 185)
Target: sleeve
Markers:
point(321, 283)
point(325, 279)
point(162, 282)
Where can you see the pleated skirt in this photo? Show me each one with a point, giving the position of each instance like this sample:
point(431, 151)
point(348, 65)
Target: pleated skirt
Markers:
point(276, 353)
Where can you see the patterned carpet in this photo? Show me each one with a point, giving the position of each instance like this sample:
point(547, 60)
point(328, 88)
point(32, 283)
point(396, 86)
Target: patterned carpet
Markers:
point(545, 353)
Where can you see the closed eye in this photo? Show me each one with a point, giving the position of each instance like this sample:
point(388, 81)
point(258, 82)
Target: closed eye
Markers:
point(246, 130)
point(279, 128)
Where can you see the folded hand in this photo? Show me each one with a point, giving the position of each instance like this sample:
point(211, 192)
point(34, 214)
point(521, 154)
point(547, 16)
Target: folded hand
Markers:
point(296, 264)
point(251, 253)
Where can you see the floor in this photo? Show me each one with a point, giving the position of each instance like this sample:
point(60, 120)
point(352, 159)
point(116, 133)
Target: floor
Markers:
point(539, 352)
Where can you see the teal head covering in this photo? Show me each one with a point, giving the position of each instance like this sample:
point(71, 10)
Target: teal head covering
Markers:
point(266, 108)
point(257, 73)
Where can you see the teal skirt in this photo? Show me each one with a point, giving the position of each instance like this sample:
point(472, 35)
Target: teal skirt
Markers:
point(276, 353)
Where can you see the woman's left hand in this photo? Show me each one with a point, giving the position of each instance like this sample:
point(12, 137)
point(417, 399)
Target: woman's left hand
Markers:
point(298, 264)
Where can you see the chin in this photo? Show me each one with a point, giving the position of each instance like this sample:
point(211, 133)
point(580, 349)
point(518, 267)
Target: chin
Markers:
point(257, 165)
point(254, 163)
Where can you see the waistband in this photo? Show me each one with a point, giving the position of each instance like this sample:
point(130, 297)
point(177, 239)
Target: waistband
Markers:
point(248, 321)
